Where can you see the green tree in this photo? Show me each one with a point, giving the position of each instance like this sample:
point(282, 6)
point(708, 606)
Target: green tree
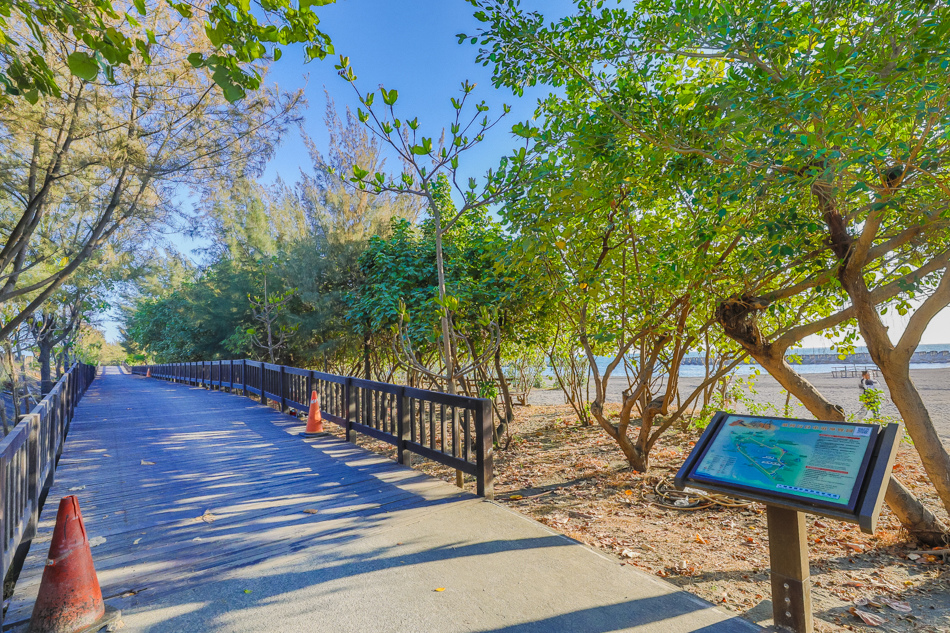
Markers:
point(432, 175)
point(828, 118)
point(108, 159)
point(105, 36)
point(397, 303)
point(635, 273)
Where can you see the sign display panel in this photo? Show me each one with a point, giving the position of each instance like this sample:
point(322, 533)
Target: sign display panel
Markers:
point(821, 463)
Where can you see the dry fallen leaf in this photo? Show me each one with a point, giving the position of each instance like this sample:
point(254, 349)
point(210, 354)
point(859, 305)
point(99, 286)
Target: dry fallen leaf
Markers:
point(76, 488)
point(137, 541)
point(440, 588)
point(515, 497)
point(898, 605)
point(869, 618)
point(147, 463)
point(97, 540)
point(310, 511)
point(207, 517)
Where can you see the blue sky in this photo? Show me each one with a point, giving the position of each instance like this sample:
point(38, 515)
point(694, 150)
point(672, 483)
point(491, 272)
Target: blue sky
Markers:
point(411, 46)
point(407, 45)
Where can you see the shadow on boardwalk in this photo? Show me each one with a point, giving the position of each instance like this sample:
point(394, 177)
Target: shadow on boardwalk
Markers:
point(217, 516)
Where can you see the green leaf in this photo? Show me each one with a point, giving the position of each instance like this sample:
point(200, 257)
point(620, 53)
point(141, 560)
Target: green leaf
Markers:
point(233, 92)
point(196, 60)
point(83, 65)
point(182, 8)
point(389, 97)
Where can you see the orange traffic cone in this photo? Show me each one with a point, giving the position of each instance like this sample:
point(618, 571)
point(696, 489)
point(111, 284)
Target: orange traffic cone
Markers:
point(314, 419)
point(148, 372)
point(70, 600)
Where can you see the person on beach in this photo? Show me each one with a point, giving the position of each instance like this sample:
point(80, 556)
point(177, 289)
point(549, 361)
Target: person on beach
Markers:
point(871, 397)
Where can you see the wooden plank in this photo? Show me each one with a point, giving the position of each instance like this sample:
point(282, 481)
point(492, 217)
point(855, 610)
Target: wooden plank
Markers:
point(208, 450)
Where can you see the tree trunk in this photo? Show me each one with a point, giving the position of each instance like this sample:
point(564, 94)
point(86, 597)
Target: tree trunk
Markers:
point(919, 425)
point(367, 368)
point(795, 383)
point(895, 368)
point(509, 409)
point(919, 522)
point(46, 382)
point(447, 352)
point(269, 322)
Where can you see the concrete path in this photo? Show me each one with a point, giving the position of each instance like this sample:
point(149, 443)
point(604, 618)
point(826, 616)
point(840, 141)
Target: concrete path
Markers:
point(197, 500)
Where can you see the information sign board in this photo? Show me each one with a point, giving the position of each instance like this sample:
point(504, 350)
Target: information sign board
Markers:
point(794, 467)
point(833, 469)
point(821, 463)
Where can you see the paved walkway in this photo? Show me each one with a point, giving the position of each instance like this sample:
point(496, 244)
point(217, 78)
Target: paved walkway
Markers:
point(197, 500)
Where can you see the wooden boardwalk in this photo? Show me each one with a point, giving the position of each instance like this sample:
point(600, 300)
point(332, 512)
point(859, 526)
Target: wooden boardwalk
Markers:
point(208, 512)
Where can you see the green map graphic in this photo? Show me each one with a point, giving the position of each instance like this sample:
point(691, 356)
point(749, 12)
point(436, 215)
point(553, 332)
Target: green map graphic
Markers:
point(779, 460)
point(813, 460)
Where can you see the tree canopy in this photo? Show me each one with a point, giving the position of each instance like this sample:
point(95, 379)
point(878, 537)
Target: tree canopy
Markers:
point(103, 36)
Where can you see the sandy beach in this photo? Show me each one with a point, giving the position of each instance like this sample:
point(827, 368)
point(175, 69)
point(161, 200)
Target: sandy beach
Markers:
point(934, 386)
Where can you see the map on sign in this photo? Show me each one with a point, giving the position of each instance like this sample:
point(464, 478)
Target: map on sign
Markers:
point(822, 462)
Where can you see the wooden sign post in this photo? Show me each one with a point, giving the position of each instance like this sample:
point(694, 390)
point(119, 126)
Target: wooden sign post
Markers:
point(791, 580)
point(830, 469)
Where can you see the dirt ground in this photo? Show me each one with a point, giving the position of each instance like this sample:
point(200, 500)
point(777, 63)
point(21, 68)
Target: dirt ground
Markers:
point(575, 480)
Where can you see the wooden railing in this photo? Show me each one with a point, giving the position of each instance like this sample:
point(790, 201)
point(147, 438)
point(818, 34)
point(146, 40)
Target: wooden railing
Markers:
point(453, 430)
point(28, 458)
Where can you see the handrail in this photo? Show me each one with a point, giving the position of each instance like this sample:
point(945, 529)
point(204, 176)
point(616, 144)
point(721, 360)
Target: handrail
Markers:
point(450, 429)
point(28, 458)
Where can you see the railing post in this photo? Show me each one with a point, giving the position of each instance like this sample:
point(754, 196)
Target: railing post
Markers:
point(403, 428)
point(350, 394)
point(231, 375)
point(484, 475)
point(35, 487)
point(3, 530)
point(244, 377)
point(281, 383)
point(263, 382)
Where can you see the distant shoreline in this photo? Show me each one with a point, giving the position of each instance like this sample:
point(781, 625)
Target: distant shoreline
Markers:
point(861, 358)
